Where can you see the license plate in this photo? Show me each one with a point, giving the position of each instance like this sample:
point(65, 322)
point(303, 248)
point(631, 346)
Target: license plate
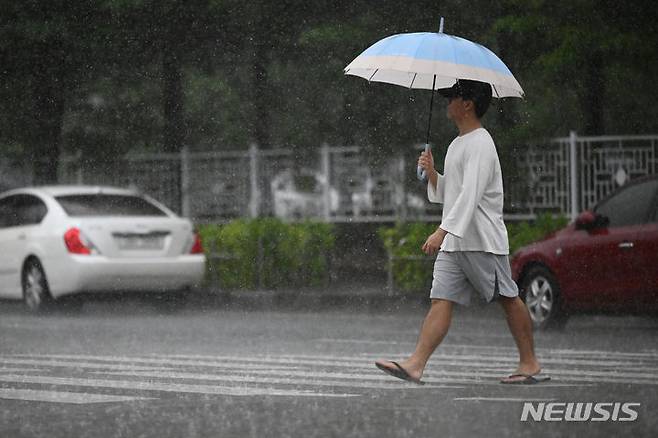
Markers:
point(136, 243)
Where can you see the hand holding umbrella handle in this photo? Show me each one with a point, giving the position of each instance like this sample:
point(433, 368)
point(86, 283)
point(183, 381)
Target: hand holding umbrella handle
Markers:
point(420, 172)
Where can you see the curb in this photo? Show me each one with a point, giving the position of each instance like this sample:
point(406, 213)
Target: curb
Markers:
point(307, 300)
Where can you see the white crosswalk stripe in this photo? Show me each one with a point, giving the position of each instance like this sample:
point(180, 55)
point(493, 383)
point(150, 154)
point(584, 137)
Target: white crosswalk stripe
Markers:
point(63, 397)
point(86, 378)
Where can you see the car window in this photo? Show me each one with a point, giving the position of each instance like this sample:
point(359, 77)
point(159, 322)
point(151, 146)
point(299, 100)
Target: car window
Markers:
point(631, 206)
point(108, 205)
point(20, 210)
point(7, 212)
point(30, 210)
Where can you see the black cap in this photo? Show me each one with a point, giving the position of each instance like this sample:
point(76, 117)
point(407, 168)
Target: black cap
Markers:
point(477, 92)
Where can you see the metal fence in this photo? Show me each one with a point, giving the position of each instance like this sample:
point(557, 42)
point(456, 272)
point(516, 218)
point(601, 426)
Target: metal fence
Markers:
point(571, 174)
point(560, 176)
point(220, 186)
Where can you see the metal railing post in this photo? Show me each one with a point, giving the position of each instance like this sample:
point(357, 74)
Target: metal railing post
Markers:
point(573, 174)
point(254, 201)
point(185, 181)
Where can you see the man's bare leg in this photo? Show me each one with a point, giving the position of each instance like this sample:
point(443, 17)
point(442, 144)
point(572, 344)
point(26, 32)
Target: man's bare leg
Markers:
point(518, 320)
point(434, 328)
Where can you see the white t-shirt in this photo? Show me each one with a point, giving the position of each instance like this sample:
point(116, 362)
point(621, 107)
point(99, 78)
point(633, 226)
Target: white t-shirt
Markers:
point(471, 191)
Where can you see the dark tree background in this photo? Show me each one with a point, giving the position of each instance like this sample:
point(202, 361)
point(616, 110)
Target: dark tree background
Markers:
point(106, 77)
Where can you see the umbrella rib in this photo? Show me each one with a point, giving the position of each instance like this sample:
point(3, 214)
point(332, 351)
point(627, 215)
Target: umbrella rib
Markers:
point(412, 81)
point(373, 75)
point(496, 90)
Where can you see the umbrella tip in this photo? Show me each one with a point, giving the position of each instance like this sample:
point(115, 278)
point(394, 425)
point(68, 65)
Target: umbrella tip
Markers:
point(441, 25)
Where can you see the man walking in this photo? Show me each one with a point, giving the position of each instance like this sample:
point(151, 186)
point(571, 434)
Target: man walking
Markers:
point(471, 240)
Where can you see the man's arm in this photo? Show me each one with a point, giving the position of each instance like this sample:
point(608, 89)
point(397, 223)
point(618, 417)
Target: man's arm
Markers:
point(434, 241)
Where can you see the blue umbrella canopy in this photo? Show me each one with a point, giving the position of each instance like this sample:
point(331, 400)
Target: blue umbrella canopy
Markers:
point(428, 60)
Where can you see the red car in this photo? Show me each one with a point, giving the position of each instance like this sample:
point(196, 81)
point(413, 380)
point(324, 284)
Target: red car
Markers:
point(607, 259)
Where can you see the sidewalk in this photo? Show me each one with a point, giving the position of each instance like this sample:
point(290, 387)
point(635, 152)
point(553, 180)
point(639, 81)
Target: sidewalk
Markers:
point(344, 296)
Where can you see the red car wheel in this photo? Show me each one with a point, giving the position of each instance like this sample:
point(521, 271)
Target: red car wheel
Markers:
point(541, 294)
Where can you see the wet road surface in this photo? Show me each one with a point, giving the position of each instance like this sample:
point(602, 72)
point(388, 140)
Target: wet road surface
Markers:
point(126, 369)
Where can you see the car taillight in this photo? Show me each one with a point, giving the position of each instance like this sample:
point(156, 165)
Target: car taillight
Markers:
point(74, 242)
point(197, 247)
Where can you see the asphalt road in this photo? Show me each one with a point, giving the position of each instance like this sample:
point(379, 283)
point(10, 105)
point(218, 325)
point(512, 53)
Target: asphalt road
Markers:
point(126, 368)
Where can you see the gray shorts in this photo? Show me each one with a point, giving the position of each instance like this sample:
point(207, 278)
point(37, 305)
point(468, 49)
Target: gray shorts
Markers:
point(459, 274)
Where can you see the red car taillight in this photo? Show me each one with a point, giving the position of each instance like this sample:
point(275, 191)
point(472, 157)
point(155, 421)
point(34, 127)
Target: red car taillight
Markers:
point(197, 247)
point(74, 242)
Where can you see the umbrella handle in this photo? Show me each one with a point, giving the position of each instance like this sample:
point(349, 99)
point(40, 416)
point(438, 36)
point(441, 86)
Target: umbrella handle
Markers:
point(420, 172)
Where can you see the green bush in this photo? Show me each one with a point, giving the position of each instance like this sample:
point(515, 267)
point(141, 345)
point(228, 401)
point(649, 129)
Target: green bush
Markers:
point(412, 270)
point(267, 253)
point(524, 233)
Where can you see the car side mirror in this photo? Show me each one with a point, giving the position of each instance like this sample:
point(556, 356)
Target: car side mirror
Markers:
point(585, 220)
point(588, 220)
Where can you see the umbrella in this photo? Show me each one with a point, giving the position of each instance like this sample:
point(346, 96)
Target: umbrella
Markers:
point(431, 61)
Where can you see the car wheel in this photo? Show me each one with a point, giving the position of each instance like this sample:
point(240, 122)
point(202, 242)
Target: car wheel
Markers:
point(36, 293)
point(541, 294)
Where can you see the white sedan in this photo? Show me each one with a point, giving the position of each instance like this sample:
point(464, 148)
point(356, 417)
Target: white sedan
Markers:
point(62, 240)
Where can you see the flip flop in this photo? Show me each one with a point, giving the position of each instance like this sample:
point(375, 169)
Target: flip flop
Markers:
point(525, 379)
point(399, 372)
